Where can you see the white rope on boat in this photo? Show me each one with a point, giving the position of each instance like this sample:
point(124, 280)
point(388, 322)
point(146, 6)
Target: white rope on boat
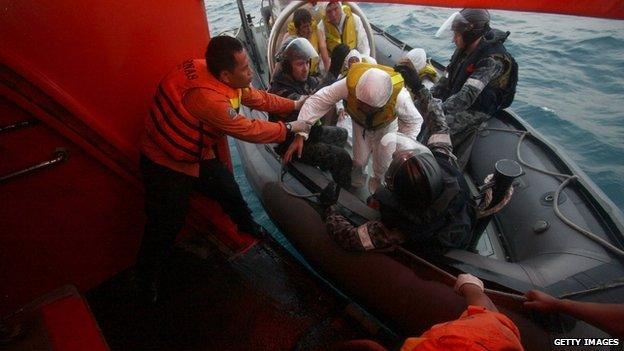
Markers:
point(576, 227)
point(567, 178)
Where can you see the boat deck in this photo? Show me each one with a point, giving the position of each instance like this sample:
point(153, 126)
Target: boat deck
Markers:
point(259, 300)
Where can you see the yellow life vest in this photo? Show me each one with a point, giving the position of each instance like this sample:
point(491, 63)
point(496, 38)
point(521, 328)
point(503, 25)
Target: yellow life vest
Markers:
point(344, 70)
point(428, 72)
point(386, 115)
point(313, 40)
point(349, 34)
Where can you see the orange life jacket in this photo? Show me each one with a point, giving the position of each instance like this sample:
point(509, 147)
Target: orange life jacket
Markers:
point(175, 130)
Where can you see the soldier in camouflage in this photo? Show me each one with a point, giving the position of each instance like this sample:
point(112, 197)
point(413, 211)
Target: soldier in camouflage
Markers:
point(425, 200)
point(480, 80)
point(325, 146)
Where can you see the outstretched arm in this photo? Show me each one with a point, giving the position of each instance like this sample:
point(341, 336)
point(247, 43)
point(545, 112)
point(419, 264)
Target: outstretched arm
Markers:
point(471, 287)
point(317, 105)
point(215, 110)
point(368, 236)
point(608, 317)
point(435, 121)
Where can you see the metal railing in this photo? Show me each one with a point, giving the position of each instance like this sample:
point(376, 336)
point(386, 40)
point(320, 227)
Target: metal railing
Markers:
point(59, 155)
point(18, 125)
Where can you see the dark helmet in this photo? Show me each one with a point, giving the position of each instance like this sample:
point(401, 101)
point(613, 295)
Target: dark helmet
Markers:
point(295, 49)
point(415, 177)
point(472, 24)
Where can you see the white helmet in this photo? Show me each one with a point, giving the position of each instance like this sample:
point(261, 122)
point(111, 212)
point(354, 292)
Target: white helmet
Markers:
point(374, 87)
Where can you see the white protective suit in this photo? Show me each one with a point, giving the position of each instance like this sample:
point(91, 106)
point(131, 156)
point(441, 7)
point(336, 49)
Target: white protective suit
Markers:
point(365, 142)
point(345, 69)
point(360, 57)
point(418, 58)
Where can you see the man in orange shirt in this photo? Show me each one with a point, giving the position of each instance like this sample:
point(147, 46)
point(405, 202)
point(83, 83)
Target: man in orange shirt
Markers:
point(480, 327)
point(194, 109)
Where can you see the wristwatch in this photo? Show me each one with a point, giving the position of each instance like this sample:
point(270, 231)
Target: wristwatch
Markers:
point(288, 126)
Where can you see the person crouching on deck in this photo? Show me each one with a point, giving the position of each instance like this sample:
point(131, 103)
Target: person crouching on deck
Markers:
point(425, 201)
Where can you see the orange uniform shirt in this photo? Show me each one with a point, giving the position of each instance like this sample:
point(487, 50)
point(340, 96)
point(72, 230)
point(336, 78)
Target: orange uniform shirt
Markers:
point(476, 329)
point(213, 107)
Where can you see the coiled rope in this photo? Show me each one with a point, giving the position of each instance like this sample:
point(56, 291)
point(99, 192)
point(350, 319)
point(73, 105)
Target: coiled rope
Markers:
point(482, 209)
point(567, 178)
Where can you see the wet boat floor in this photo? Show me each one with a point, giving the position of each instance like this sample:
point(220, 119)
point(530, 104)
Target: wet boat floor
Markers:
point(260, 300)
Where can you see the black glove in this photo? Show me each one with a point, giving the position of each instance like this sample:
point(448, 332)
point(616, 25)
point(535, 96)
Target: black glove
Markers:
point(337, 59)
point(329, 195)
point(410, 77)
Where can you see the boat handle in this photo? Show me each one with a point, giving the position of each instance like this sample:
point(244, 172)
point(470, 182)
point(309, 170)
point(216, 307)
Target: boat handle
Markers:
point(59, 155)
point(18, 125)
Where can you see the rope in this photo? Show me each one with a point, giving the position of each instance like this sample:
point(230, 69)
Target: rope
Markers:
point(612, 285)
point(483, 210)
point(567, 178)
point(574, 226)
point(515, 297)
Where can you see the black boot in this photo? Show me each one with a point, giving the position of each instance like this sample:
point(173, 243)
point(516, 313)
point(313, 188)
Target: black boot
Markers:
point(329, 195)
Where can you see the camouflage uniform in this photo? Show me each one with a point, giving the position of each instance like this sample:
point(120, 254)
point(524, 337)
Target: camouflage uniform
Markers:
point(374, 234)
point(462, 121)
point(325, 145)
point(489, 69)
point(488, 76)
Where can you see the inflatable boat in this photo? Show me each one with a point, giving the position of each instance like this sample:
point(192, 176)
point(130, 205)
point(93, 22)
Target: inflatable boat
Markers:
point(559, 232)
point(76, 83)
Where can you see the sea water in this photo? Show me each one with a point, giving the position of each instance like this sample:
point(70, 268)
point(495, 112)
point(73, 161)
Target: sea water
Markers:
point(571, 79)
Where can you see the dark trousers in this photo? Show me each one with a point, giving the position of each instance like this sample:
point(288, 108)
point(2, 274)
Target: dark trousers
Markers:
point(167, 195)
point(464, 126)
point(325, 149)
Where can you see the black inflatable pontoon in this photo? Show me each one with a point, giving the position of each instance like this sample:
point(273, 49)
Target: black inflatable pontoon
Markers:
point(526, 245)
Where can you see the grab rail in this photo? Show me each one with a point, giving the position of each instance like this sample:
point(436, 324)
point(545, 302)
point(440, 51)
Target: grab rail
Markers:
point(19, 125)
point(60, 154)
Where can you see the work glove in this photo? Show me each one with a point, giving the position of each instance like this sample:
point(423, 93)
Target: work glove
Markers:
point(410, 77)
point(299, 102)
point(466, 278)
point(299, 126)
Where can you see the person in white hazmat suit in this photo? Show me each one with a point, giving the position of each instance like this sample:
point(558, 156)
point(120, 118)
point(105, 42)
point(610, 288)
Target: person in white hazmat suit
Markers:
point(344, 121)
point(378, 104)
point(417, 59)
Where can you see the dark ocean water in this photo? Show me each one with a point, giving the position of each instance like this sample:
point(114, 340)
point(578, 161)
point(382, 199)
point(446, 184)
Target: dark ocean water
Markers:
point(571, 78)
